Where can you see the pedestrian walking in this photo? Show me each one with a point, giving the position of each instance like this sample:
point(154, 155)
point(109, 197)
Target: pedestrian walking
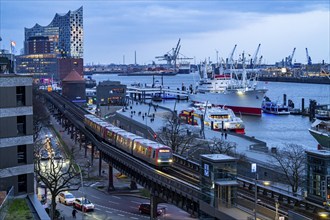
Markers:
point(74, 212)
point(226, 135)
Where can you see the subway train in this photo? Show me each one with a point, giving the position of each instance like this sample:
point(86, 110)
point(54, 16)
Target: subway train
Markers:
point(147, 150)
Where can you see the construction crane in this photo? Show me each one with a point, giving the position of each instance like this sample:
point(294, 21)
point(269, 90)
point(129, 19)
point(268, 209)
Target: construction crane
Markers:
point(171, 56)
point(309, 59)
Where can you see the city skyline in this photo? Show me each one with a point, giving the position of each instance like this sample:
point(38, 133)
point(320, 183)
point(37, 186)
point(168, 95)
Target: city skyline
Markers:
point(114, 30)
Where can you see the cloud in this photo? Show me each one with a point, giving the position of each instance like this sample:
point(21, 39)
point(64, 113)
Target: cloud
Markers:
point(113, 29)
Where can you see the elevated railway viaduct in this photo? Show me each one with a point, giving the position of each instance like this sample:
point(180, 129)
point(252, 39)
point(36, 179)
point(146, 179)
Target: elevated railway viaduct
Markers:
point(162, 186)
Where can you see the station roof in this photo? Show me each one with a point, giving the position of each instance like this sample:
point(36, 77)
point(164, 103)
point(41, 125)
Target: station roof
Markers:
point(73, 76)
point(217, 157)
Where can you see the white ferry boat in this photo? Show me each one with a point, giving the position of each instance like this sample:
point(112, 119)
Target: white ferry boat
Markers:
point(217, 118)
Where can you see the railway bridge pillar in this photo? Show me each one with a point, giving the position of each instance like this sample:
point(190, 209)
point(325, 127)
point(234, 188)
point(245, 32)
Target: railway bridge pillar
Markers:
point(110, 178)
point(133, 185)
point(154, 201)
point(100, 163)
point(92, 153)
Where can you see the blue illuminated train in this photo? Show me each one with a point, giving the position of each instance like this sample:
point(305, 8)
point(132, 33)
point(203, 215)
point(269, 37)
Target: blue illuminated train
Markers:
point(147, 150)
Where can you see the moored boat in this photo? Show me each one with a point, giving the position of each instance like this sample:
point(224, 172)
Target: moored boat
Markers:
point(320, 130)
point(275, 108)
point(221, 119)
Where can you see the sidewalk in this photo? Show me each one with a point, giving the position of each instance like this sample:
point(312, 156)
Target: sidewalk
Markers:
point(154, 117)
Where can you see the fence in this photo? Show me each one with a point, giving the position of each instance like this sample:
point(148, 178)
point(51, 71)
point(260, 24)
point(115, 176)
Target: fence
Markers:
point(6, 203)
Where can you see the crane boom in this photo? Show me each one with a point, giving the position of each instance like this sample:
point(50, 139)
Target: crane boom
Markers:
point(255, 56)
point(291, 58)
point(309, 59)
point(172, 55)
point(231, 60)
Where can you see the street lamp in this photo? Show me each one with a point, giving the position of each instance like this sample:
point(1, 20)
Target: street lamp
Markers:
point(277, 205)
point(255, 195)
point(254, 170)
point(81, 179)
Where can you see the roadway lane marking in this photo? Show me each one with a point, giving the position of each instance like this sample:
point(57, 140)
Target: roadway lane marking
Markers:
point(116, 197)
point(108, 212)
point(97, 209)
point(94, 197)
point(133, 218)
point(121, 215)
point(137, 202)
point(117, 203)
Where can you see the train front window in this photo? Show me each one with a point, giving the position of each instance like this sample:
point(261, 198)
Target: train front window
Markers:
point(165, 154)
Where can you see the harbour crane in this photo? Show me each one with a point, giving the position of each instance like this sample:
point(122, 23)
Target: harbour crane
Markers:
point(255, 57)
point(290, 58)
point(231, 60)
point(171, 56)
point(260, 60)
point(309, 59)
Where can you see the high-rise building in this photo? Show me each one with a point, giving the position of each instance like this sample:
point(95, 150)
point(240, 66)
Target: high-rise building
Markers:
point(65, 32)
point(45, 45)
point(16, 133)
point(39, 45)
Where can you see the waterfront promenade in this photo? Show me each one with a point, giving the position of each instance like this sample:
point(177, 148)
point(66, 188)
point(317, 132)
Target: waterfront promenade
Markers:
point(243, 143)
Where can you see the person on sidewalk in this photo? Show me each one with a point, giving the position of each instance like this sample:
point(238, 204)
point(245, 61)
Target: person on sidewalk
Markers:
point(74, 212)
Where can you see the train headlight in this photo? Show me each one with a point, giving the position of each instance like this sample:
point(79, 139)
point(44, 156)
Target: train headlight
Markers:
point(159, 160)
point(170, 160)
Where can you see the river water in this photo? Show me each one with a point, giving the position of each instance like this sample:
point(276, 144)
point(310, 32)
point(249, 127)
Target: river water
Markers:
point(277, 131)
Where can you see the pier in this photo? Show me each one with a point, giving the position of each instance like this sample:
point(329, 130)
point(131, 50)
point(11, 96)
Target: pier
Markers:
point(143, 93)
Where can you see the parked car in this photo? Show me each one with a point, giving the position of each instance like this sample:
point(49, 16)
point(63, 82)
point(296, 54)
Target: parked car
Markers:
point(83, 204)
point(66, 198)
point(144, 208)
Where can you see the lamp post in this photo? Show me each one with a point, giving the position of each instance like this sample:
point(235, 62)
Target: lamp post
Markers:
point(277, 204)
point(255, 195)
point(254, 170)
point(81, 179)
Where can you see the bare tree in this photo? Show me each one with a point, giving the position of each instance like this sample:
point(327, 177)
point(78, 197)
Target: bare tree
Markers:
point(291, 160)
point(177, 136)
point(40, 113)
point(56, 175)
point(219, 146)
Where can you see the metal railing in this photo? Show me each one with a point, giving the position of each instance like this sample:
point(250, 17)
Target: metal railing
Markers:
point(6, 203)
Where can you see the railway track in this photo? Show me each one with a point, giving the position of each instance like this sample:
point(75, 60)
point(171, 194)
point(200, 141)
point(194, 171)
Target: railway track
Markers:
point(183, 173)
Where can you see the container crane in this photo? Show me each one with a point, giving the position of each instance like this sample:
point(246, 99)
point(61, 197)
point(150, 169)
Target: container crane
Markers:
point(309, 59)
point(171, 56)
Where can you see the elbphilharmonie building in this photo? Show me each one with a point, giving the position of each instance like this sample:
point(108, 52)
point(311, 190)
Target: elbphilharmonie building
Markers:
point(65, 35)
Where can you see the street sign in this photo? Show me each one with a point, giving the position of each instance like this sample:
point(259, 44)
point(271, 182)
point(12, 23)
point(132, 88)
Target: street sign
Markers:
point(206, 169)
point(253, 168)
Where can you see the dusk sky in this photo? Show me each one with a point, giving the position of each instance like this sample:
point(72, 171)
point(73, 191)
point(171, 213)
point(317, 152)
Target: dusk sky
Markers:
point(114, 29)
